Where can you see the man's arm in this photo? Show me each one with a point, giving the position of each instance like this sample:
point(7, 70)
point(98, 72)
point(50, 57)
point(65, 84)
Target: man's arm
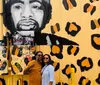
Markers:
point(27, 69)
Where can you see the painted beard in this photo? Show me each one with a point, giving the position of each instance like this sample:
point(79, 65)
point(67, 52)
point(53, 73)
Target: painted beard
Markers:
point(20, 40)
point(27, 27)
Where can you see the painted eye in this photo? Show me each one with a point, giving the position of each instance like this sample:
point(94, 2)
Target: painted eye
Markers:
point(17, 7)
point(36, 7)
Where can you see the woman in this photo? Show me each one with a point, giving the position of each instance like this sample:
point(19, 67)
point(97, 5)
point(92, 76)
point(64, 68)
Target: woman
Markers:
point(34, 68)
point(47, 71)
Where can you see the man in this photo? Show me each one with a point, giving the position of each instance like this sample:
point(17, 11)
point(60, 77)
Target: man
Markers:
point(26, 18)
point(34, 69)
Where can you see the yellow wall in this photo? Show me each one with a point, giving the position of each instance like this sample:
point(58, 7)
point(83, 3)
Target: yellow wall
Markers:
point(83, 38)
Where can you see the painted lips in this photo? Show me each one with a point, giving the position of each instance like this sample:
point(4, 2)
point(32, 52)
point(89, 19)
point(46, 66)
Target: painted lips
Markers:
point(27, 25)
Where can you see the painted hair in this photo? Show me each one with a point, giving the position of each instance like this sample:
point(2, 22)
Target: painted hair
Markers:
point(8, 21)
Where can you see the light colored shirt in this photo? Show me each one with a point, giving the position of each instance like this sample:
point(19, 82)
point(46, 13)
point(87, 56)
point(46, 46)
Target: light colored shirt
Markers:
point(48, 75)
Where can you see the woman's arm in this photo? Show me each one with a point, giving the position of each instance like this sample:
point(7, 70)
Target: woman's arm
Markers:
point(50, 83)
point(51, 73)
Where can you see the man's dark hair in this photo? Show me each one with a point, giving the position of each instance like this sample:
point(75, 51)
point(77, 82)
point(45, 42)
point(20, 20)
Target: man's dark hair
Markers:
point(38, 52)
point(8, 21)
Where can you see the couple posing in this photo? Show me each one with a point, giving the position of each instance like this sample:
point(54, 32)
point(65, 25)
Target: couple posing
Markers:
point(40, 70)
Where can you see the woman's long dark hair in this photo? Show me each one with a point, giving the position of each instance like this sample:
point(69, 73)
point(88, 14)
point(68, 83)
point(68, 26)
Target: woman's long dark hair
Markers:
point(50, 62)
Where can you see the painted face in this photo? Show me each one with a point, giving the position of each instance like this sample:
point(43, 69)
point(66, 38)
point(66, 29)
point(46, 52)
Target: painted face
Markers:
point(46, 59)
point(39, 56)
point(27, 16)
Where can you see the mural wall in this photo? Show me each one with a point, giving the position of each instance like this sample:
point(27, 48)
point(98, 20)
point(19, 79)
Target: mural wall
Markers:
point(69, 29)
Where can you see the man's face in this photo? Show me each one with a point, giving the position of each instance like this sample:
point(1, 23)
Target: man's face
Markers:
point(39, 56)
point(27, 16)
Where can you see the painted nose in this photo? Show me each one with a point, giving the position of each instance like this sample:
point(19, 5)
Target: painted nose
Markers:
point(26, 12)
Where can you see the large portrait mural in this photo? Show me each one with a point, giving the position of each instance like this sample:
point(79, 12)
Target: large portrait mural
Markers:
point(25, 19)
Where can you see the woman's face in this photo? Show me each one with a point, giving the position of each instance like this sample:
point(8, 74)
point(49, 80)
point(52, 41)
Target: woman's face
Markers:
point(45, 59)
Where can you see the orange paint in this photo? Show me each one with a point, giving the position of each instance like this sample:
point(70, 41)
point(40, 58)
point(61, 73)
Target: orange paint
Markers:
point(55, 49)
point(85, 63)
point(90, 8)
point(87, 80)
point(73, 50)
point(96, 23)
point(72, 27)
point(54, 64)
point(68, 70)
point(55, 28)
point(69, 4)
point(97, 40)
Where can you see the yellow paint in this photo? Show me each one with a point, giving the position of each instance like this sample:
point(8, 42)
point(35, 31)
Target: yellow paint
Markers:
point(1, 6)
point(83, 38)
point(72, 76)
point(84, 82)
point(1, 27)
point(19, 81)
point(4, 30)
point(16, 51)
point(96, 23)
point(93, 82)
point(1, 21)
point(8, 82)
